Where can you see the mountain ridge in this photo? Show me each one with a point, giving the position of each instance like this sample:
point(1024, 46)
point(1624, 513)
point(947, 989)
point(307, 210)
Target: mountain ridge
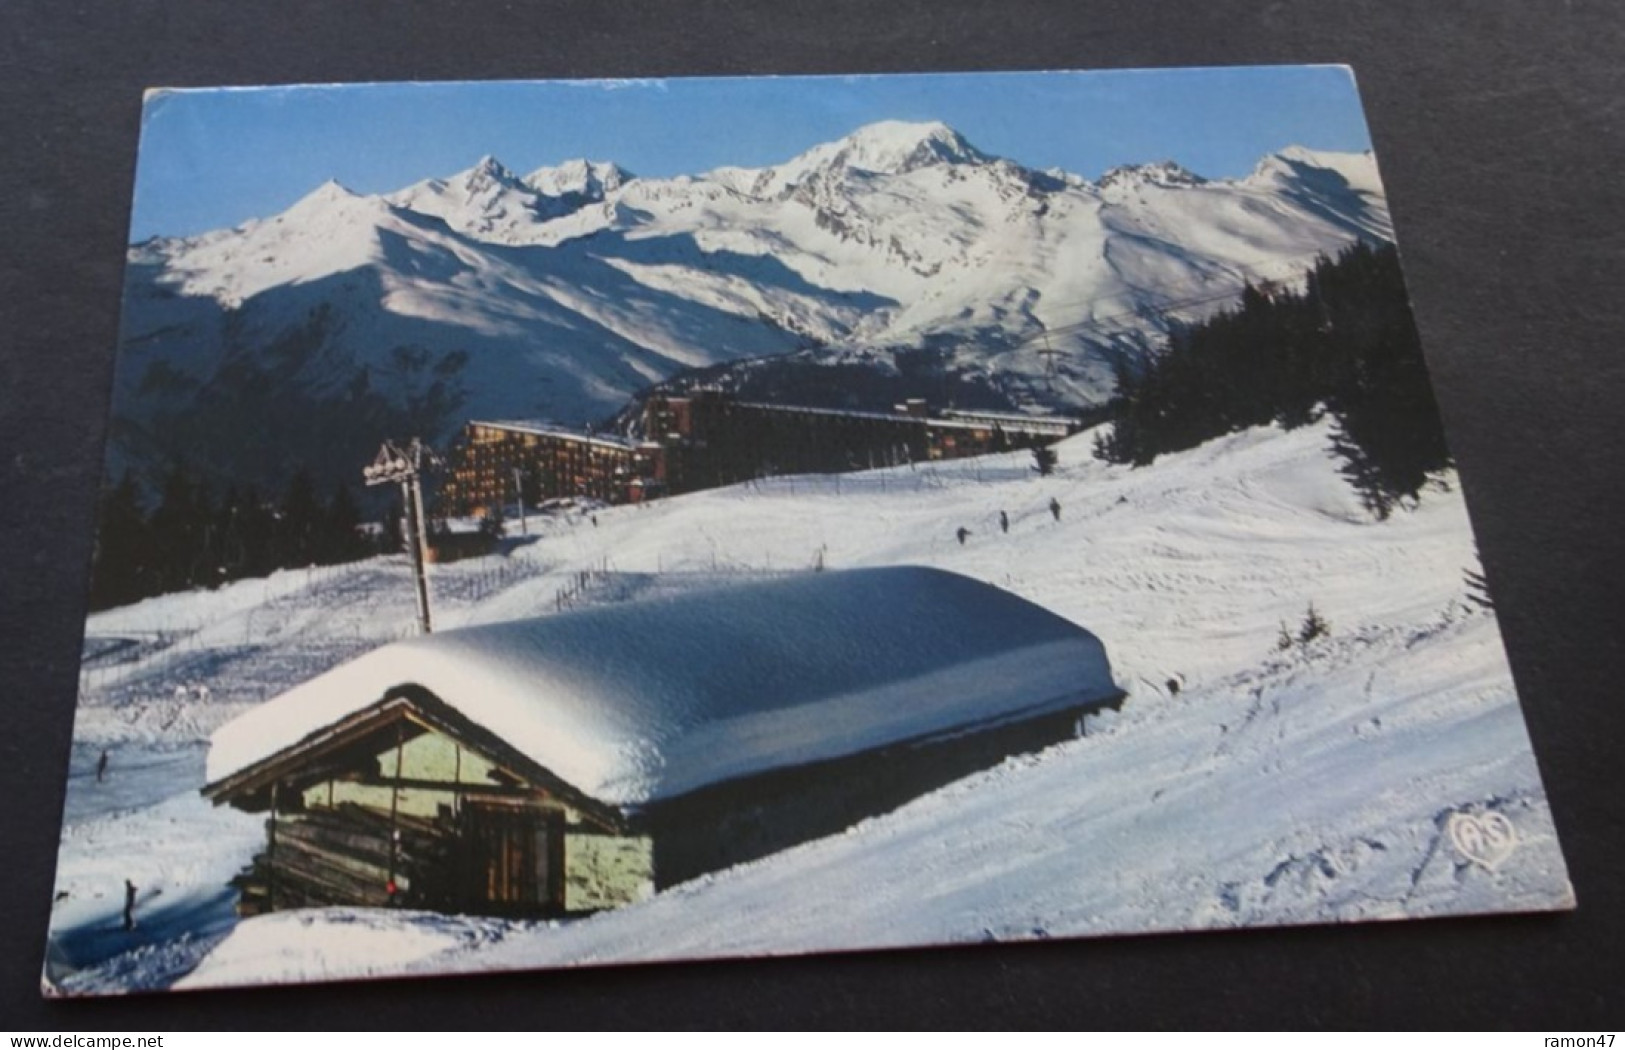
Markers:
point(562, 292)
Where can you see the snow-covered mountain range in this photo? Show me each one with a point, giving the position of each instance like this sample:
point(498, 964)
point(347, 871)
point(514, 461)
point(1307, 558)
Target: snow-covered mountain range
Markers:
point(309, 335)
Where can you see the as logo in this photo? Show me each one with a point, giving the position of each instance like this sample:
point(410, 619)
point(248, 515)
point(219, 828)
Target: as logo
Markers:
point(1486, 839)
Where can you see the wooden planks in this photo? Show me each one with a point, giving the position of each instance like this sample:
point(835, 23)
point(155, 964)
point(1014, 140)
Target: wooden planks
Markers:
point(349, 855)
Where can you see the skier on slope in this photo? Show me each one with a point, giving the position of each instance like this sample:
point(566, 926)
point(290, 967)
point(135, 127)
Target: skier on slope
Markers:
point(1055, 508)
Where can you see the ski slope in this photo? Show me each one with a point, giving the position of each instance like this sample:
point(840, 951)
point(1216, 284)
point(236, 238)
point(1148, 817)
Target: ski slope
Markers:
point(1305, 784)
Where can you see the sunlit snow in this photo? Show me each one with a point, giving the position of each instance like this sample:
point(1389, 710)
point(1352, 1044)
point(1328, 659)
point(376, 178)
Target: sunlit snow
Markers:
point(1305, 784)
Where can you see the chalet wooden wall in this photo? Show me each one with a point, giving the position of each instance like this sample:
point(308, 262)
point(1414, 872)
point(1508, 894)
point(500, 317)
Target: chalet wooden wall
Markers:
point(433, 824)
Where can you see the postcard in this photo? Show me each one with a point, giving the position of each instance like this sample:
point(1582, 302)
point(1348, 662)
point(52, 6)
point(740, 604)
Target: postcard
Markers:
point(566, 523)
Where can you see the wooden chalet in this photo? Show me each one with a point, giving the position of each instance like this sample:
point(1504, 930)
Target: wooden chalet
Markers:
point(582, 761)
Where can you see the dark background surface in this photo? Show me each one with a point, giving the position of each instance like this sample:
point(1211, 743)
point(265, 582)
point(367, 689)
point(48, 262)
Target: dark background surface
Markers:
point(1500, 127)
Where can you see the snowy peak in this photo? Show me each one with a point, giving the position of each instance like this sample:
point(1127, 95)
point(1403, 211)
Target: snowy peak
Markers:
point(487, 175)
point(487, 200)
point(331, 190)
point(330, 230)
point(490, 202)
point(1166, 174)
point(487, 179)
point(347, 219)
point(588, 179)
point(893, 147)
point(327, 199)
point(1297, 163)
point(1327, 181)
point(1301, 155)
point(889, 147)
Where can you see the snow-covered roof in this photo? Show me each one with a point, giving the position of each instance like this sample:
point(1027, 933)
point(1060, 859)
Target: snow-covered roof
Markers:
point(640, 701)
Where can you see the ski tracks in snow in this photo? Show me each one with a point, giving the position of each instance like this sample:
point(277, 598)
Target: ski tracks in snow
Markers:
point(1306, 784)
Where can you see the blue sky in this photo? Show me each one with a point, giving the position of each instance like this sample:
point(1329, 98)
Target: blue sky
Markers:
point(212, 158)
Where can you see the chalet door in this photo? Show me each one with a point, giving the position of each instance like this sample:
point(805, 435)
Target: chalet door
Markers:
point(515, 858)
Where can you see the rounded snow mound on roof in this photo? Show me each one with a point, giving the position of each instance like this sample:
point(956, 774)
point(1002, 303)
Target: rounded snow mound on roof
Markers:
point(646, 700)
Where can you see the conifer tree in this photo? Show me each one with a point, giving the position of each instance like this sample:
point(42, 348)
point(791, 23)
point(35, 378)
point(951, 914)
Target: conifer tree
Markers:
point(122, 564)
point(341, 539)
point(257, 524)
point(1346, 343)
point(175, 531)
point(299, 522)
point(203, 567)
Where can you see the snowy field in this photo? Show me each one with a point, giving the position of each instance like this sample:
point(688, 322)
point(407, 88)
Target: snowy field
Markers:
point(1307, 784)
